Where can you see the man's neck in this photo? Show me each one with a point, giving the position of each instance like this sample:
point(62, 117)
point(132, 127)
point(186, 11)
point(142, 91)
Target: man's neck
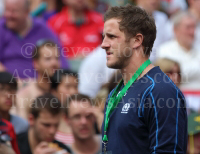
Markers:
point(5, 115)
point(185, 46)
point(64, 127)
point(88, 146)
point(32, 140)
point(23, 30)
point(43, 83)
point(75, 14)
point(133, 66)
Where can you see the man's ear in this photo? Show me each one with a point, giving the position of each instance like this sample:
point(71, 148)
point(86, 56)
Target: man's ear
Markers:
point(136, 41)
point(31, 119)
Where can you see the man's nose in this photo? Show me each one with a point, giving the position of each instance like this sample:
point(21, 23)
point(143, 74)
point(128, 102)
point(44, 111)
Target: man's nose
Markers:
point(105, 44)
point(83, 120)
point(52, 130)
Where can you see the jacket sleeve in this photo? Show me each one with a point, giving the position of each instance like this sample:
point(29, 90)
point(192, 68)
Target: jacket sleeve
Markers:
point(166, 118)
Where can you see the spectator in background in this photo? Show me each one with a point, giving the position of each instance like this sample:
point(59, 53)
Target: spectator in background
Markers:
point(8, 137)
point(93, 73)
point(44, 118)
point(82, 119)
point(64, 84)
point(184, 51)
point(98, 5)
point(194, 9)
point(102, 7)
point(173, 6)
point(8, 88)
point(45, 61)
point(161, 19)
point(79, 29)
point(193, 133)
point(47, 8)
point(171, 68)
point(19, 34)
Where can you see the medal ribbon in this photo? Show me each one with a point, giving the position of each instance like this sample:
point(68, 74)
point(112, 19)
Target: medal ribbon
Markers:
point(116, 98)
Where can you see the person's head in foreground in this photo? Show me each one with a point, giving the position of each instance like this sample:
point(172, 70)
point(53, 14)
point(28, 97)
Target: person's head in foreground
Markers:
point(129, 34)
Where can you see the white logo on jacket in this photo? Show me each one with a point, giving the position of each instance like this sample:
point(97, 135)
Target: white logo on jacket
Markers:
point(126, 108)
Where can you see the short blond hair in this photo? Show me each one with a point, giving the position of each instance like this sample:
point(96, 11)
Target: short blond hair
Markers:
point(166, 65)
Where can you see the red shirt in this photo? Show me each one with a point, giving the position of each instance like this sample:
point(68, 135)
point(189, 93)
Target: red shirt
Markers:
point(78, 40)
point(7, 128)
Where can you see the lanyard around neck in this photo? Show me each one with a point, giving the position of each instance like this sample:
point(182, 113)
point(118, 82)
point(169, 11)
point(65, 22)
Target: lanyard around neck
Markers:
point(116, 98)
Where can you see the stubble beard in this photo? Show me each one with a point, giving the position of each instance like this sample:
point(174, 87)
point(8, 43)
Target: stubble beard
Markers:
point(37, 134)
point(122, 61)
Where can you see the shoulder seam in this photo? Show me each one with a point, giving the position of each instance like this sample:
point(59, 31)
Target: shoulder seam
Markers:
point(175, 86)
point(145, 95)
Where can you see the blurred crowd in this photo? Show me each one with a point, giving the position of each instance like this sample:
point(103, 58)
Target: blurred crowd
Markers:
point(54, 81)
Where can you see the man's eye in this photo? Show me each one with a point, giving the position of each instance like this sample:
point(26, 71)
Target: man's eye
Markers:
point(89, 116)
point(77, 117)
point(111, 36)
point(46, 125)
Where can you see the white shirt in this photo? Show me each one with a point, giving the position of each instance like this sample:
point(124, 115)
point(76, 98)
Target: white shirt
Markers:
point(94, 72)
point(189, 63)
point(160, 19)
point(169, 32)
